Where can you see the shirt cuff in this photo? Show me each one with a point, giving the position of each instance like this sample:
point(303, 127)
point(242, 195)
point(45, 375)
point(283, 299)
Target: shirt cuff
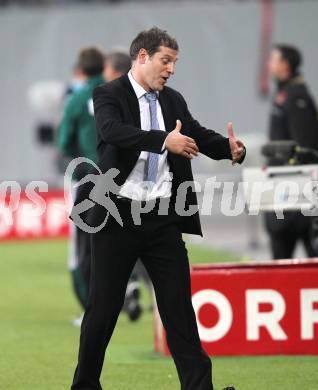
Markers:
point(163, 147)
point(243, 156)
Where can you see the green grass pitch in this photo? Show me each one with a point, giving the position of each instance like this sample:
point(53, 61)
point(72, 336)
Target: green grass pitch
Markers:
point(39, 345)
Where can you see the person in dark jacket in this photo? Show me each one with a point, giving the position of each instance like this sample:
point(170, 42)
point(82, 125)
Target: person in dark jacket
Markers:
point(293, 117)
point(147, 135)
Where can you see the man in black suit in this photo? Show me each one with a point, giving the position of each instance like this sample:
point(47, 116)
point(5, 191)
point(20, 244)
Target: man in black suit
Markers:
point(147, 133)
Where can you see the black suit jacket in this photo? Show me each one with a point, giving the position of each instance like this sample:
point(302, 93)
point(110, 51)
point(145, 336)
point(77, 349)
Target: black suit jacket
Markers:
point(294, 114)
point(120, 140)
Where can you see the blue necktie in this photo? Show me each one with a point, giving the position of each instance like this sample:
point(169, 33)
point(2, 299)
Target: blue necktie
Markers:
point(152, 162)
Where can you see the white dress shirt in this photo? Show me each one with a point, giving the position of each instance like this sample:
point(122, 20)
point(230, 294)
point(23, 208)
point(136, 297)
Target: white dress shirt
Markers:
point(135, 187)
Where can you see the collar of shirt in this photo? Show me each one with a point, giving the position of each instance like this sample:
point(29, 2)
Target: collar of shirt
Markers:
point(139, 90)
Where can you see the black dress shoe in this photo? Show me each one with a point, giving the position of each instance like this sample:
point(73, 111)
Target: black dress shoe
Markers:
point(131, 304)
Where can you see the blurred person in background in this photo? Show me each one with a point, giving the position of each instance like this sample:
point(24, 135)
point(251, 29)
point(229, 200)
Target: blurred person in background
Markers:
point(293, 117)
point(117, 63)
point(77, 82)
point(77, 138)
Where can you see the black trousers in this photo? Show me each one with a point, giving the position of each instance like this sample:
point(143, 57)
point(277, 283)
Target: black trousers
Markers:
point(283, 244)
point(286, 233)
point(81, 275)
point(158, 243)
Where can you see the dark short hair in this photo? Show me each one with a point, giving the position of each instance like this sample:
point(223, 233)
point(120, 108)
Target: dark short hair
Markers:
point(91, 61)
point(120, 61)
point(151, 40)
point(291, 55)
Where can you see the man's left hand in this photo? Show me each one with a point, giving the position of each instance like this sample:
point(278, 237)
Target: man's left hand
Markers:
point(237, 146)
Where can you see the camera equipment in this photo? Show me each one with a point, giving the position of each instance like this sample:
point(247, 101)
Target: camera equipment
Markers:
point(288, 183)
point(288, 153)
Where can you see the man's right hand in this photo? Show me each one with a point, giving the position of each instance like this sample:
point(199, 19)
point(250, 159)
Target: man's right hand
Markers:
point(181, 144)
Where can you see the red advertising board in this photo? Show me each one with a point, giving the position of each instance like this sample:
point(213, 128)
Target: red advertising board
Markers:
point(254, 309)
point(40, 216)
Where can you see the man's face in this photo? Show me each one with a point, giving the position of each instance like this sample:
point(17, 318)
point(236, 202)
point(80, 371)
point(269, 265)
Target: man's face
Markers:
point(156, 70)
point(278, 67)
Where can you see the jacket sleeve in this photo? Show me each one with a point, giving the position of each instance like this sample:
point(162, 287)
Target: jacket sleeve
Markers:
point(66, 134)
point(209, 142)
point(302, 121)
point(114, 131)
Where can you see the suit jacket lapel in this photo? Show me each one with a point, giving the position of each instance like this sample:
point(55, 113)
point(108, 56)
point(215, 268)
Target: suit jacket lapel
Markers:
point(166, 111)
point(170, 124)
point(132, 101)
point(134, 105)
